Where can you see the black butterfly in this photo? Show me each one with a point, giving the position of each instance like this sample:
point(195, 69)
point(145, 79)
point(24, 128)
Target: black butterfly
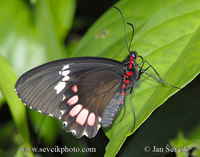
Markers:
point(84, 93)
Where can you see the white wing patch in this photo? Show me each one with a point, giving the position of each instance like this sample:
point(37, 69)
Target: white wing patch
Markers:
point(65, 78)
point(65, 67)
point(59, 87)
point(65, 73)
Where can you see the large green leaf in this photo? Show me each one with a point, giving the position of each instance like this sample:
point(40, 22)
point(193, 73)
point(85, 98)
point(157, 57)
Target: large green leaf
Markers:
point(63, 15)
point(7, 82)
point(180, 112)
point(54, 20)
point(166, 35)
point(2, 99)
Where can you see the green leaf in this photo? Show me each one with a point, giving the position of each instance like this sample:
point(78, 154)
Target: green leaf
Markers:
point(45, 127)
point(166, 35)
point(7, 82)
point(53, 26)
point(18, 39)
point(191, 141)
point(63, 11)
point(182, 142)
point(2, 99)
point(165, 123)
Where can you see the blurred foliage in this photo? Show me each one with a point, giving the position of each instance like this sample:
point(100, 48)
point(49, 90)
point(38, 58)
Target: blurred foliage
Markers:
point(185, 143)
point(8, 79)
point(33, 32)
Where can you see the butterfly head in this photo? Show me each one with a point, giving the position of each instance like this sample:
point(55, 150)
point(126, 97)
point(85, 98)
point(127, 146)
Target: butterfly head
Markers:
point(133, 55)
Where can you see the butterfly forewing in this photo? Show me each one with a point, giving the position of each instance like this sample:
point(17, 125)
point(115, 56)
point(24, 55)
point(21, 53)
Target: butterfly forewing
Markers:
point(76, 90)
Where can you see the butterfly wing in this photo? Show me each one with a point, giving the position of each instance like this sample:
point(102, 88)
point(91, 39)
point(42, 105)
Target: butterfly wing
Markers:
point(76, 90)
point(83, 108)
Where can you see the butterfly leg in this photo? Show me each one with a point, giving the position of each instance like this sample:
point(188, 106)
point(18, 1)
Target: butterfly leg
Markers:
point(141, 71)
point(125, 110)
point(161, 79)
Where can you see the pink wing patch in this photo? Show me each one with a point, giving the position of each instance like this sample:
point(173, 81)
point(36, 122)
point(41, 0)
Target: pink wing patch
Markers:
point(75, 110)
point(75, 88)
point(91, 119)
point(82, 116)
point(73, 100)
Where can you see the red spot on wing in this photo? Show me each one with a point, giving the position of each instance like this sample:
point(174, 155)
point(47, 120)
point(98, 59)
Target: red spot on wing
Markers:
point(121, 102)
point(73, 100)
point(75, 88)
point(91, 119)
point(75, 110)
point(82, 116)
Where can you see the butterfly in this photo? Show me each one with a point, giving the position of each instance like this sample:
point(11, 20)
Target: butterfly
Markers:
point(85, 93)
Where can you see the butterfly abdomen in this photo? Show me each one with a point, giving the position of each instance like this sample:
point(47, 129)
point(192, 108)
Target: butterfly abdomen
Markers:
point(112, 108)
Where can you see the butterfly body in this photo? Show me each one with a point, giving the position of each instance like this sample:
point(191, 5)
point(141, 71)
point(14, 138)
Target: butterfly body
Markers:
point(84, 92)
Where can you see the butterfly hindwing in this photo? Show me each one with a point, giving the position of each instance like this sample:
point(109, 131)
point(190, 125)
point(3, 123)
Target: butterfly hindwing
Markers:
point(84, 109)
point(72, 89)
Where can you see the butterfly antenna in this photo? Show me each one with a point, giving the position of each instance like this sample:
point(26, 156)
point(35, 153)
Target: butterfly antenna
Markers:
point(124, 27)
point(129, 47)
